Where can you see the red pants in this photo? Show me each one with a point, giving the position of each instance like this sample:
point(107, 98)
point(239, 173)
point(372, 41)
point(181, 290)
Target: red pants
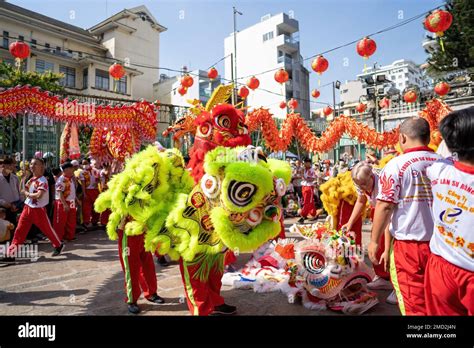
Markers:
point(449, 289)
point(64, 222)
point(104, 217)
point(229, 258)
point(308, 202)
point(138, 267)
point(408, 260)
point(88, 213)
point(345, 211)
point(201, 297)
point(28, 217)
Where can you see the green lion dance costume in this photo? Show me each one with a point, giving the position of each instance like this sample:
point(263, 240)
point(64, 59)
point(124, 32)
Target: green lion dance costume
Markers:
point(234, 206)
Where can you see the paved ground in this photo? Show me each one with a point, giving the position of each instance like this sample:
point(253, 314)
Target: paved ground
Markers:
point(87, 280)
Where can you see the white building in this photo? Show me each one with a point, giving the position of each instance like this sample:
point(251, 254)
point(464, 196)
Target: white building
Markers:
point(166, 89)
point(131, 36)
point(403, 73)
point(271, 44)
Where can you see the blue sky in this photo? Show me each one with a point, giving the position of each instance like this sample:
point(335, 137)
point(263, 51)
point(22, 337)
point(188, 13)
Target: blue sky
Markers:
point(197, 28)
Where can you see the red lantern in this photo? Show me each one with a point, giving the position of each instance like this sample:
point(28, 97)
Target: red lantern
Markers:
point(282, 105)
point(438, 22)
point(116, 71)
point(212, 73)
point(182, 90)
point(327, 111)
point(19, 50)
point(187, 81)
point(361, 107)
point(320, 64)
point(315, 93)
point(253, 83)
point(410, 97)
point(442, 88)
point(243, 92)
point(366, 47)
point(293, 104)
point(281, 76)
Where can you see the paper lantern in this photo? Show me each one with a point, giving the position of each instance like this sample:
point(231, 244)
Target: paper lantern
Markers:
point(187, 81)
point(212, 73)
point(442, 88)
point(366, 47)
point(282, 105)
point(253, 83)
point(384, 103)
point(320, 64)
point(327, 111)
point(19, 50)
point(315, 93)
point(438, 22)
point(293, 104)
point(243, 92)
point(281, 76)
point(116, 71)
point(361, 107)
point(410, 97)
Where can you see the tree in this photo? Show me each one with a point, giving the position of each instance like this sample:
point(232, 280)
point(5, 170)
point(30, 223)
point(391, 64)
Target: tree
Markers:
point(458, 49)
point(10, 76)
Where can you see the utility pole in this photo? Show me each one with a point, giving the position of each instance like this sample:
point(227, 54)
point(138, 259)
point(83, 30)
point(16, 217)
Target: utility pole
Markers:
point(235, 50)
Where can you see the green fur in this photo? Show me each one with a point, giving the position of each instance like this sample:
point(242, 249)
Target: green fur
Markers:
point(280, 169)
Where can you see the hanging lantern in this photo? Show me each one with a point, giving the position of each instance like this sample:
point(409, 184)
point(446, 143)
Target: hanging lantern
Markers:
point(187, 81)
point(410, 97)
point(253, 83)
point(366, 47)
point(315, 93)
point(182, 90)
point(320, 64)
point(384, 103)
point(438, 22)
point(442, 88)
point(282, 105)
point(361, 107)
point(19, 50)
point(116, 71)
point(293, 104)
point(281, 76)
point(212, 73)
point(243, 92)
point(327, 111)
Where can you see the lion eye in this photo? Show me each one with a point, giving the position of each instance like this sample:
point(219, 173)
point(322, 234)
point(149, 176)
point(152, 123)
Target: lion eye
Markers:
point(223, 121)
point(241, 193)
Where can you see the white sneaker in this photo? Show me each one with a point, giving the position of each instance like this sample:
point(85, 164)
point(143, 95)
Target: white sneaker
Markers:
point(379, 284)
point(392, 298)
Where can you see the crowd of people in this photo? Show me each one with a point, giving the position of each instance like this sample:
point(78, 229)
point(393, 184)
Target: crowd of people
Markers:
point(421, 244)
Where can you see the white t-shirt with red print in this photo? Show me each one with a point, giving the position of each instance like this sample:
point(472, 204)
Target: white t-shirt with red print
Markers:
point(309, 177)
point(33, 186)
point(67, 187)
point(403, 182)
point(91, 177)
point(453, 212)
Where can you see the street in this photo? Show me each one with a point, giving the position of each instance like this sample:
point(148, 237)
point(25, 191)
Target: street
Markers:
point(87, 280)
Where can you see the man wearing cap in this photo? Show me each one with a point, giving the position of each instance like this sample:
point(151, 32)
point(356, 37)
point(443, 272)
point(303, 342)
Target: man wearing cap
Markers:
point(64, 222)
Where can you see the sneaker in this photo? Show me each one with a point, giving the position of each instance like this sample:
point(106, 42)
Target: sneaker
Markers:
point(392, 298)
point(71, 239)
point(58, 250)
point(224, 309)
point(379, 284)
point(133, 308)
point(156, 299)
point(301, 220)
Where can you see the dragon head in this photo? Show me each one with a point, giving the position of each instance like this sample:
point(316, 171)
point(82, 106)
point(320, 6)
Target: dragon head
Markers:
point(243, 189)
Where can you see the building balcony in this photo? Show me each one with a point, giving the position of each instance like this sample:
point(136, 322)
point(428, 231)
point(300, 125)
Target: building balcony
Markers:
point(286, 60)
point(287, 44)
point(287, 24)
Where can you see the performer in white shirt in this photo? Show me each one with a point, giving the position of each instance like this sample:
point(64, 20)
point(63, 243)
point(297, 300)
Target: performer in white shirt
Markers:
point(449, 279)
point(405, 201)
point(64, 221)
point(307, 187)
